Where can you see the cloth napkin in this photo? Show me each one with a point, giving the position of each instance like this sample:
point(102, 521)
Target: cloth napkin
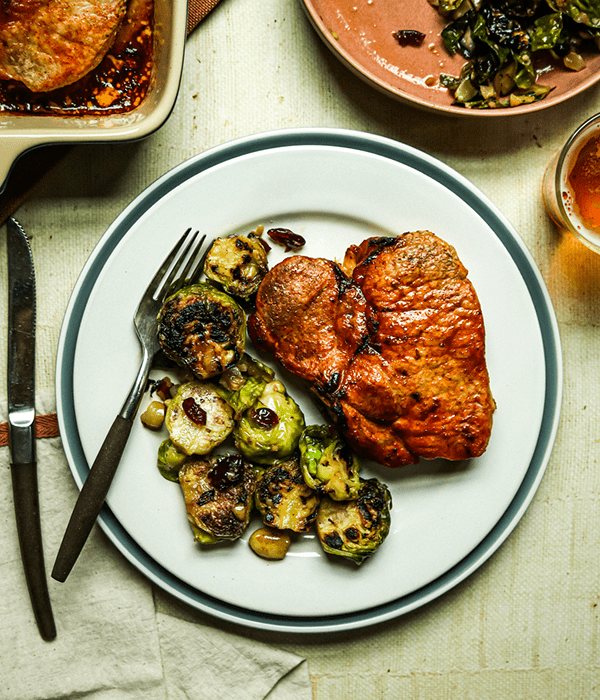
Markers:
point(118, 636)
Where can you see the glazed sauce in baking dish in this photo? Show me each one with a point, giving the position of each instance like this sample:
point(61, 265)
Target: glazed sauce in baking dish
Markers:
point(117, 85)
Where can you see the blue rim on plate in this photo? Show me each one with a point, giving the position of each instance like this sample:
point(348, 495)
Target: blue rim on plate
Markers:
point(429, 167)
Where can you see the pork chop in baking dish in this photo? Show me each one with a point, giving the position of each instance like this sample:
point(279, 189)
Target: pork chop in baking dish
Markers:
point(47, 44)
point(392, 342)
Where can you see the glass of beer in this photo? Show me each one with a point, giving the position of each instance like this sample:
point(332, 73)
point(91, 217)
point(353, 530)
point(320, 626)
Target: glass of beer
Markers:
point(571, 186)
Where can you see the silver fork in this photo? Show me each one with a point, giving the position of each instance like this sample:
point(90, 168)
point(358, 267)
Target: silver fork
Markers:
point(181, 266)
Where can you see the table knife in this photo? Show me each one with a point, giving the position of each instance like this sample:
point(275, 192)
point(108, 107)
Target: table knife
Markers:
point(21, 422)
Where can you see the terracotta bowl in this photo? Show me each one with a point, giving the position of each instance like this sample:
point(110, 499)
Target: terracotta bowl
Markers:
point(360, 34)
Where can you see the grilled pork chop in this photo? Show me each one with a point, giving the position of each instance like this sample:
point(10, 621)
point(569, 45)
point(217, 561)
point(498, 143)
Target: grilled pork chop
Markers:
point(393, 345)
point(47, 44)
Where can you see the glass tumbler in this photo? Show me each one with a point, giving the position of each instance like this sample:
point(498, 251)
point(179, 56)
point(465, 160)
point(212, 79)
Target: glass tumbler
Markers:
point(571, 185)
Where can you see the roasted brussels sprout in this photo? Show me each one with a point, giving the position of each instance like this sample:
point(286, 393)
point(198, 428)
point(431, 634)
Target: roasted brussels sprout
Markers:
point(329, 466)
point(202, 329)
point(270, 430)
point(284, 499)
point(170, 460)
point(198, 419)
point(218, 493)
point(355, 529)
point(237, 264)
point(243, 384)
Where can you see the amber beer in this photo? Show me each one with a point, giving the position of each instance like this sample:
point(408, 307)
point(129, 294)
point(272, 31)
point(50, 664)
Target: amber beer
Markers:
point(571, 187)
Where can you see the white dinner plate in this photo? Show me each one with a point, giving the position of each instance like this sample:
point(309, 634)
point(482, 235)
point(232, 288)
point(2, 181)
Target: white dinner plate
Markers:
point(333, 187)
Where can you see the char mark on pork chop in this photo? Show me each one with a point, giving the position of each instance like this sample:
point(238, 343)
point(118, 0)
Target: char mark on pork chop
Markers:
point(47, 44)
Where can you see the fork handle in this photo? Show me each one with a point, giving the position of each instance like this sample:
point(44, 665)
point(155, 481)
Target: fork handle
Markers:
point(92, 497)
point(95, 487)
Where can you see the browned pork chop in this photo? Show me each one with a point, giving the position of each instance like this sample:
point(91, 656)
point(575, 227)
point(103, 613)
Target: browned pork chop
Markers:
point(396, 351)
point(427, 324)
point(47, 44)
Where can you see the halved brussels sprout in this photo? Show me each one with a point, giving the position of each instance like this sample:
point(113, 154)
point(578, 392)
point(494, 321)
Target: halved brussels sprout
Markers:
point(355, 529)
point(218, 493)
point(243, 384)
point(202, 329)
point(237, 263)
point(170, 460)
point(329, 466)
point(270, 430)
point(284, 499)
point(198, 419)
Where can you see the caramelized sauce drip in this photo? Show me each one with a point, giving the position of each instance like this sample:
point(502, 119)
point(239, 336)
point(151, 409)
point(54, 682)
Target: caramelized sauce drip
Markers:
point(119, 83)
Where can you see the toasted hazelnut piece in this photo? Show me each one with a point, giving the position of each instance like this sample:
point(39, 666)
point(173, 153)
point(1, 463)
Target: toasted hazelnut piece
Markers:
point(270, 544)
point(154, 416)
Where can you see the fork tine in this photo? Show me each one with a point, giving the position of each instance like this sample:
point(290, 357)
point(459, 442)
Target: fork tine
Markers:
point(185, 275)
point(194, 273)
point(181, 250)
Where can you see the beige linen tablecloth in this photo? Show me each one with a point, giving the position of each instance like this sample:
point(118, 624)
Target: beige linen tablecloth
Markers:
point(523, 626)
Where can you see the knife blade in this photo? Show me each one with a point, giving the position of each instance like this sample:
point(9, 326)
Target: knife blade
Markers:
point(21, 422)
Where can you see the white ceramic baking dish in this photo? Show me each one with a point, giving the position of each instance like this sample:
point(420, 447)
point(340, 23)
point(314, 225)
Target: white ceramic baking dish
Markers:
point(20, 133)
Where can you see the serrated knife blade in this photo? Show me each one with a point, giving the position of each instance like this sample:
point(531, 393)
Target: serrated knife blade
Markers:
point(21, 422)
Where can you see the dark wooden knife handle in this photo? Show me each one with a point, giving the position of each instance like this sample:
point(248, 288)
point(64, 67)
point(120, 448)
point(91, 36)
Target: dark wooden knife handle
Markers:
point(27, 510)
point(92, 497)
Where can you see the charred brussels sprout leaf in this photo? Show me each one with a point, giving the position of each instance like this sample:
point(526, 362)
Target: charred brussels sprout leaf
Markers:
point(270, 430)
point(170, 460)
point(328, 464)
point(237, 264)
point(198, 419)
point(284, 499)
point(501, 41)
point(202, 329)
point(355, 529)
point(582, 11)
point(218, 494)
point(546, 32)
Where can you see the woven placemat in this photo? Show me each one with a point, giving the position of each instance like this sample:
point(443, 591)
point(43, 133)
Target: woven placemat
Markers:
point(30, 169)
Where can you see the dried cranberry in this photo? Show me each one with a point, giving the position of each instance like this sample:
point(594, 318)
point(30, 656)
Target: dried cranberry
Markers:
point(194, 412)
point(283, 236)
point(409, 37)
point(163, 388)
point(228, 471)
point(265, 417)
